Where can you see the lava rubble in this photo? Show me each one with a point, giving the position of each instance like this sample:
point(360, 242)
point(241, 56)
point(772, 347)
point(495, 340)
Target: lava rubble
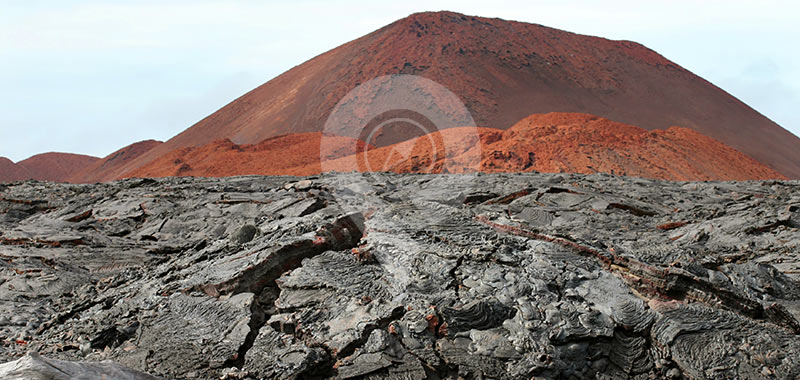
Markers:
point(388, 276)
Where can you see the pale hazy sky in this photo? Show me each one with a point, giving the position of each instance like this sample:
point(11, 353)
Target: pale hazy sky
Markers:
point(93, 76)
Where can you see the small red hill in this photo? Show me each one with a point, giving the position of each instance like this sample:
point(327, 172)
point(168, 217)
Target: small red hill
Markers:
point(10, 172)
point(581, 143)
point(56, 167)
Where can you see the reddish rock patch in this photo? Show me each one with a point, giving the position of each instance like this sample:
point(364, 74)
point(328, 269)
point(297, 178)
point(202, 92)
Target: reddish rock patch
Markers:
point(555, 142)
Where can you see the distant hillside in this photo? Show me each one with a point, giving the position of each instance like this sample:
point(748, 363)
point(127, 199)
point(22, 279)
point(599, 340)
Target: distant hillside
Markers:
point(55, 167)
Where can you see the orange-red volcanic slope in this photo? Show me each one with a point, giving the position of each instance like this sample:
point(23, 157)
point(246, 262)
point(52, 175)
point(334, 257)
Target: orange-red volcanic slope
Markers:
point(111, 167)
point(503, 71)
point(295, 154)
point(556, 142)
point(56, 167)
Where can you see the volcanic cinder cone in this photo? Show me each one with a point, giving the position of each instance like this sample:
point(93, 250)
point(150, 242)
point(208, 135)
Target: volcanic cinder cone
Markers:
point(503, 71)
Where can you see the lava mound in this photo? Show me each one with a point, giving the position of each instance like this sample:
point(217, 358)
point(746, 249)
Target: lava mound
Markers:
point(580, 143)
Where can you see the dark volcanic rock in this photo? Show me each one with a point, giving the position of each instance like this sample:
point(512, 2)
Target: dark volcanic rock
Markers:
point(244, 234)
point(34, 366)
point(371, 276)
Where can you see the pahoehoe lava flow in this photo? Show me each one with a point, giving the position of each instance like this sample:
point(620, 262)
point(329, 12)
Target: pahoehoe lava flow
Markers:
point(501, 276)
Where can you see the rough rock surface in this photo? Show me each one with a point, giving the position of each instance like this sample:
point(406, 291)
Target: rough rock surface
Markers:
point(34, 366)
point(375, 276)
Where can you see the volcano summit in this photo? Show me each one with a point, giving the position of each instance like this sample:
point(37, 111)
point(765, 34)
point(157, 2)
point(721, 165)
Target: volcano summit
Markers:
point(503, 71)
